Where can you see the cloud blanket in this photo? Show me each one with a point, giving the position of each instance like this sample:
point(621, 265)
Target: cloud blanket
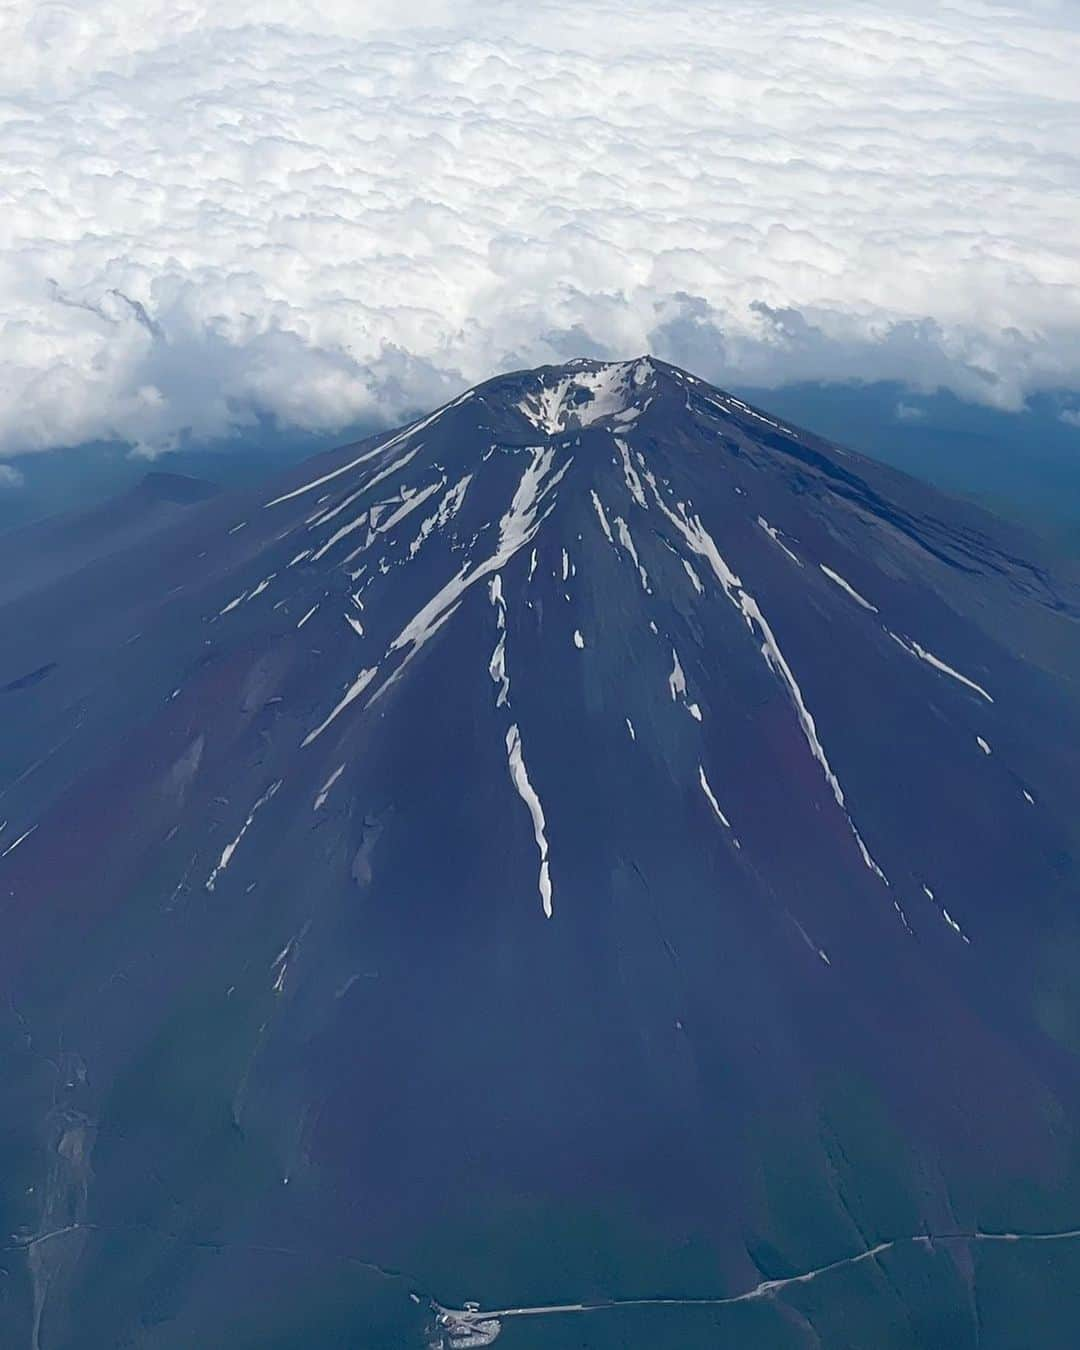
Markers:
point(333, 212)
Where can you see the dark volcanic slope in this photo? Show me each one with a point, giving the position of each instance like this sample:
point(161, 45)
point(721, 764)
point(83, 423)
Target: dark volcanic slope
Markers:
point(44, 553)
point(594, 843)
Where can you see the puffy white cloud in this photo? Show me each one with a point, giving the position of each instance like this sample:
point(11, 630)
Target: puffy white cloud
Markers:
point(339, 211)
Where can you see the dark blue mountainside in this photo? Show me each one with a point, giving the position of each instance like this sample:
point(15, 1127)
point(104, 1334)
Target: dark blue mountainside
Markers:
point(598, 852)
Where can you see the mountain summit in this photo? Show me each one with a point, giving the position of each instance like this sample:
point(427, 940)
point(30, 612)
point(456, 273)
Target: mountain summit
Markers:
point(595, 850)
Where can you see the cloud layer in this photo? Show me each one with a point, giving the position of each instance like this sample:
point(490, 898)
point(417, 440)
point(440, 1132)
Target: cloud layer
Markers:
point(213, 212)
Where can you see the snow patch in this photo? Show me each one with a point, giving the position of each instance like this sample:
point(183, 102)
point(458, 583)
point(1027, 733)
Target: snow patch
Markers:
point(587, 396)
point(676, 680)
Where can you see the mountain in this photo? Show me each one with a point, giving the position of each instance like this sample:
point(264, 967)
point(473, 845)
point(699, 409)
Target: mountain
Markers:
point(597, 853)
point(47, 551)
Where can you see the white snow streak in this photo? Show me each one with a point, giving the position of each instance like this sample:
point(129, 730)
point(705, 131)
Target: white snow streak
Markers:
point(390, 469)
point(846, 586)
point(230, 848)
point(517, 528)
point(626, 539)
point(497, 665)
point(448, 508)
point(774, 535)
point(497, 671)
point(307, 616)
point(702, 543)
point(579, 641)
point(745, 410)
point(695, 580)
point(984, 746)
point(405, 434)
point(945, 914)
point(338, 535)
point(409, 505)
point(495, 594)
point(322, 517)
point(326, 478)
point(353, 692)
point(818, 951)
point(912, 647)
point(233, 604)
point(280, 963)
point(633, 482)
point(15, 844)
point(599, 507)
point(324, 791)
point(520, 778)
point(262, 586)
point(711, 796)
